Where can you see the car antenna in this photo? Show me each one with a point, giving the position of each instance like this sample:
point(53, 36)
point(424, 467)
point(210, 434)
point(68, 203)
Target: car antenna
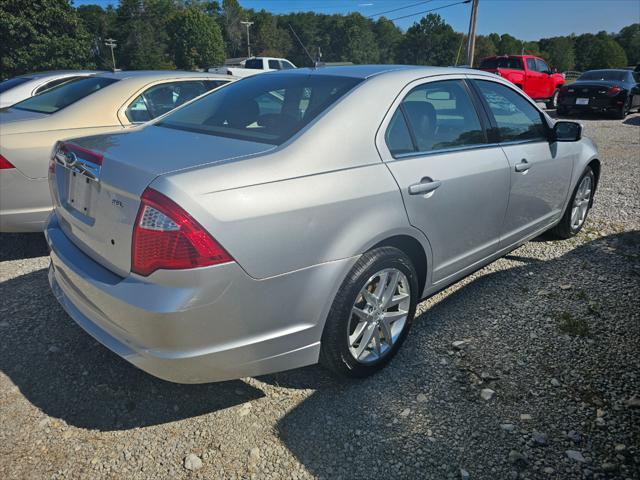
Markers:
point(302, 45)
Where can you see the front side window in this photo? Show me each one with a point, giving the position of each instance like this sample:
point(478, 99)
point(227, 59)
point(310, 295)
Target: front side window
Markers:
point(64, 95)
point(439, 115)
point(531, 64)
point(160, 99)
point(516, 118)
point(542, 66)
point(267, 109)
point(287, 65)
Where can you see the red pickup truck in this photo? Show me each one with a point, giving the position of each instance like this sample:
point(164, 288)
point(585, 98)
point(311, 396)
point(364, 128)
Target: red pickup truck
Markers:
point(531, 74)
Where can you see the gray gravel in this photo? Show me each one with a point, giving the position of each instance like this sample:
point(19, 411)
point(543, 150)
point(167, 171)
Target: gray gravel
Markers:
point(552, 330)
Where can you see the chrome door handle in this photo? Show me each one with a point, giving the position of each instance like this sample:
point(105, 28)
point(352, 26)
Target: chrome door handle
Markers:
point(425, 185)
point(523, 166)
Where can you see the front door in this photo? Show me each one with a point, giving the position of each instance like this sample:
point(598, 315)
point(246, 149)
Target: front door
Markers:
point(540, 172)
point(454, 185)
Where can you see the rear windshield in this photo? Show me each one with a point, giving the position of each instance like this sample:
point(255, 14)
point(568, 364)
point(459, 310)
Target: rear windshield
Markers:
point(268, 108)
point(502, 62)
point(604, 75)
point(64, 95)
point(12, 82)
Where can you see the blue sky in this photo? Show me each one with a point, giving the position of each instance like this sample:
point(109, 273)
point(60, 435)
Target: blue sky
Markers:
point(524, 19)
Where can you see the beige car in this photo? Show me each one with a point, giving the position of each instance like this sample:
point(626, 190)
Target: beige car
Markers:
point(85, 106)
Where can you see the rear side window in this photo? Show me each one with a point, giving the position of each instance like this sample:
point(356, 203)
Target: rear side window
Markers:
point(398, 137)
point(160, 99)
point(516, 118)
point(12, 82)
point(439, 115)
point(262, 108)
point(513, 63)
point(253, 63)
point(274, 64)
point(54, 83)
point(64, 95)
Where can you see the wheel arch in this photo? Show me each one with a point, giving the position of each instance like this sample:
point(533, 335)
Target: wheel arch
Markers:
point(414, 250)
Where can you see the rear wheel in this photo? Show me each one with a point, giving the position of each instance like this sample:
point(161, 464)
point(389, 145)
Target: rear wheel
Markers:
point(371, 314)
point(576, 212)
point(624, 110)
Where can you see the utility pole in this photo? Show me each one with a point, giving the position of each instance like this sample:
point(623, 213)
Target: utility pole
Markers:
point(471, 41)
point(111, 43)
point(248, 24)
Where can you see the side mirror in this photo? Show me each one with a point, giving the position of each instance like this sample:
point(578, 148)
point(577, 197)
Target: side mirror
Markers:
point(554, 70)
point(567, 131)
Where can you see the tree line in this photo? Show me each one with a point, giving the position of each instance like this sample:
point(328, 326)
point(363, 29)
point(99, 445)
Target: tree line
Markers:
point(190, 34)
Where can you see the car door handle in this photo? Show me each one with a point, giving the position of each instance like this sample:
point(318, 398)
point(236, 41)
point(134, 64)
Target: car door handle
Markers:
point(523, 166)
point(425, 185)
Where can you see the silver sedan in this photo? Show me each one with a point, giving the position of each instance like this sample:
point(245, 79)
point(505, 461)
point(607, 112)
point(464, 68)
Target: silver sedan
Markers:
point(300, 216)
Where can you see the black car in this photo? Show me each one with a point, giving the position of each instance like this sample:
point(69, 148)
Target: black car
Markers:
point(613, 91)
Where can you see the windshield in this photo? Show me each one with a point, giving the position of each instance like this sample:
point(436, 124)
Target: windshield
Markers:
point(501, 62)
point(12, 82)
point(64, 95)
point(614, 75)
point(267, 108)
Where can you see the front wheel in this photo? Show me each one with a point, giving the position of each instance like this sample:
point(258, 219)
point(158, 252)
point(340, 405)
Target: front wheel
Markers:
point(371, 314)
point(578, 208)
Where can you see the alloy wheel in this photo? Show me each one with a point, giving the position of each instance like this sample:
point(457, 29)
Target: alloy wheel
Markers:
point(581, 203)
point(379, 315)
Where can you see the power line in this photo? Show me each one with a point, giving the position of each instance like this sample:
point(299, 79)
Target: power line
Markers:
point(430, 10)
point(399, 8)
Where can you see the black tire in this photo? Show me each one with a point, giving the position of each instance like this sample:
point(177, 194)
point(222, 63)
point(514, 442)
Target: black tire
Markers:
point(624, 110)
point(564, 229)
point(553, 101)
point(562, 110)
point(334, 349)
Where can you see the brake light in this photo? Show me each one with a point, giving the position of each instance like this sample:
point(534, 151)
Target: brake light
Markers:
point(613, 91)
point(564, 89)
point(167, 237)
point(5, 164)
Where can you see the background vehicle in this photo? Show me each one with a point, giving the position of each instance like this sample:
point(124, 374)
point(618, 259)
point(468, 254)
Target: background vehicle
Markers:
point(254, 65)
point(250, 232)
point(17, 89)
point(531, 74)
point(83, 106)
point(612, 91)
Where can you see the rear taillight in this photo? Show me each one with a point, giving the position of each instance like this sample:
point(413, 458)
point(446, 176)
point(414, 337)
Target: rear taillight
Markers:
point(613, 91)
point(5, 164)
point(564, 90)
point(167, 237)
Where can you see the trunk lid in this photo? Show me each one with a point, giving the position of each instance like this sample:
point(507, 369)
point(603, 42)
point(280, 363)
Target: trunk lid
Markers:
point(96, 205)
point(591, 88)
point(13, 120)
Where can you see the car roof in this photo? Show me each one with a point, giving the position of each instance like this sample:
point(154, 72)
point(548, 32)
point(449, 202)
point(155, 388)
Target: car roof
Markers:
point(367, 71)
point(158, 74)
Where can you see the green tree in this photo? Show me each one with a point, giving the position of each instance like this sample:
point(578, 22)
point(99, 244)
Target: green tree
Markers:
point(141, 27)
point(41, 35)
point(355, 40)
point(509, 45)
point(484, 48)
point(231, 16)
point(388, 38)
point(101, 25)
point(429, 42)
point(195, 39)
point(268, 39)
point(560, 53)
point(629, 40)
point(598, 51)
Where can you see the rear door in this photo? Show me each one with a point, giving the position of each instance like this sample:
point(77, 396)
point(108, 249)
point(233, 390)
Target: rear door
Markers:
point(454, 184)
point(540, 172)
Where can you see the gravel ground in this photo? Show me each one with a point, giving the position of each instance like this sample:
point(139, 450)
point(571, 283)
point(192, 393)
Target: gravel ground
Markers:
point(544, 381)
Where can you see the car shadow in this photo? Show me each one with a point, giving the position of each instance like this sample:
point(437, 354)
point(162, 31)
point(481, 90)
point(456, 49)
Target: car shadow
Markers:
point(68, 375)
point(635, 120)
point(17, 246)
point(380, 428)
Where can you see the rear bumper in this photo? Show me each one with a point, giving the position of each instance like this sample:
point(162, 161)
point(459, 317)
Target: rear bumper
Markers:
point(202, 325)
point(595, 104)
point(25, 203)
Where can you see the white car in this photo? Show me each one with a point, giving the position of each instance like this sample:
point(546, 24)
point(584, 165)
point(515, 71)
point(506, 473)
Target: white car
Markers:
point(19, 88)
point(254, 65)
